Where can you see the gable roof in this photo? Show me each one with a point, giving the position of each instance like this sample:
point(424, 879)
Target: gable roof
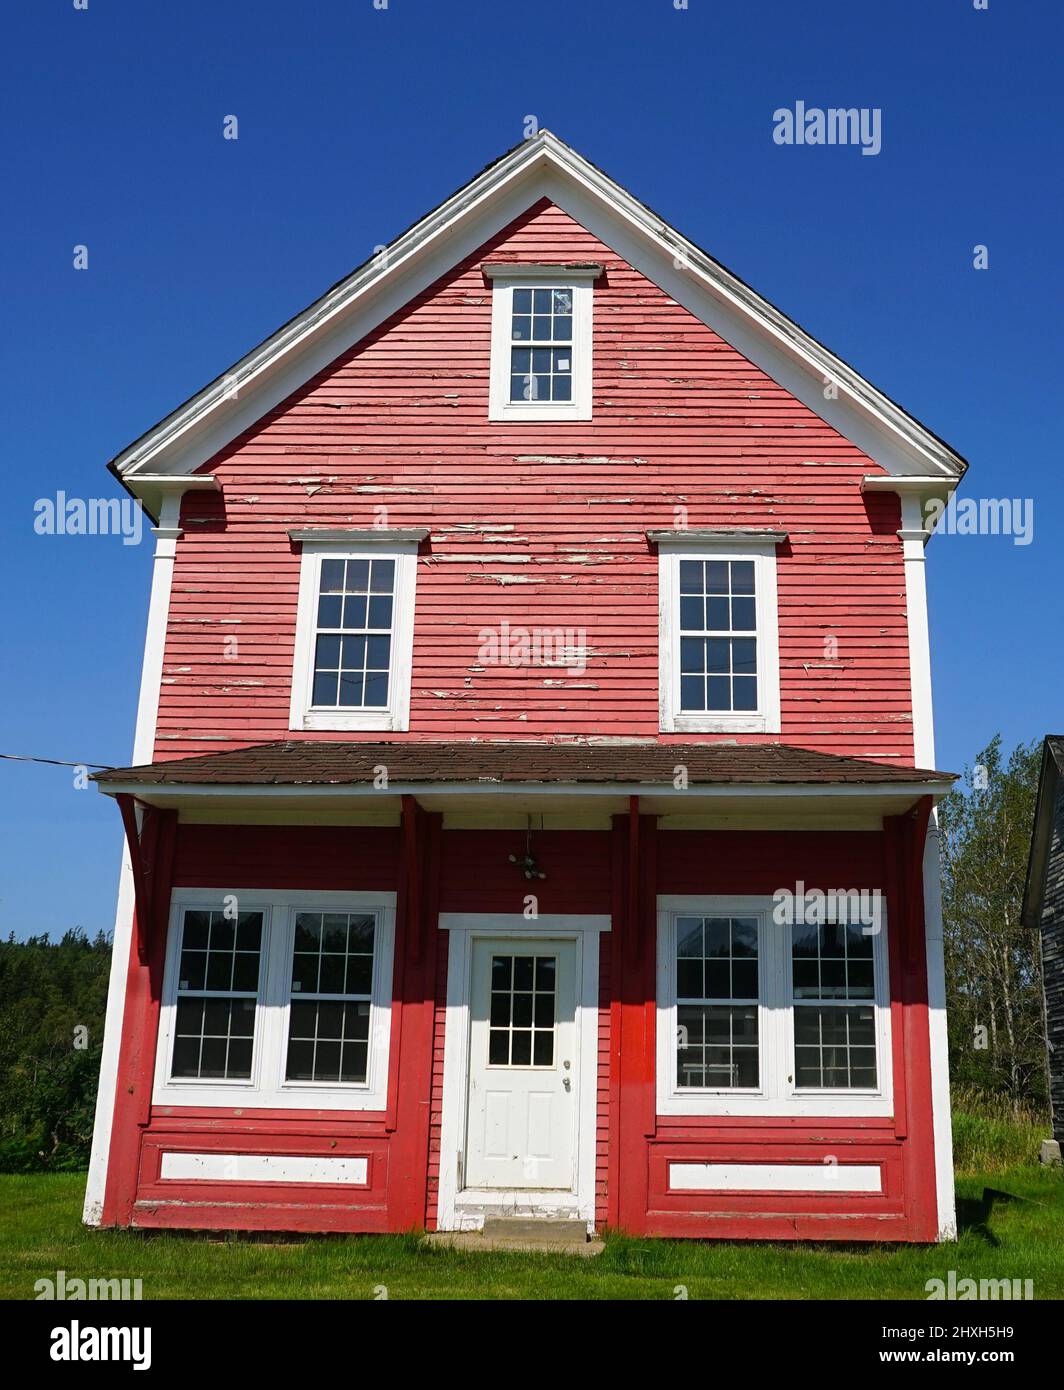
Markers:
point(540, 167)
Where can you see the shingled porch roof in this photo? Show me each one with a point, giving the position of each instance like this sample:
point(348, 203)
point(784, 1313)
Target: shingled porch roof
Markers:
point(309, 763)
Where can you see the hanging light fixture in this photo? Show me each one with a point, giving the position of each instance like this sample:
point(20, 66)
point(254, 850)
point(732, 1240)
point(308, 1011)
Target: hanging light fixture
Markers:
point(528, 865)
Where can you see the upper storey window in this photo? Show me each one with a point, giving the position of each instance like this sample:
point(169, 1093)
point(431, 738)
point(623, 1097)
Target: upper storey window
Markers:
point(354, 630)
point(541, 342)
point(719, 643)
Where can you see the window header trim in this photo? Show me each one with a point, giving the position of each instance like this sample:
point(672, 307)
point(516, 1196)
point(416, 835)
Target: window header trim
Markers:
point(691, 539)
point(379, 535)
point(515, 270)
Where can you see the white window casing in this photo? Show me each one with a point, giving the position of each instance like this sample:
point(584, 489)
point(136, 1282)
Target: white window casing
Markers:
point(674, 547)
point(505, 279)
point(400, 546)
point(776, 1093)
point(267, 1088)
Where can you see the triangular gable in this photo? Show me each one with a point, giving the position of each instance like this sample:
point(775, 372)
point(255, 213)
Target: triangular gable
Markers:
point(541, 167)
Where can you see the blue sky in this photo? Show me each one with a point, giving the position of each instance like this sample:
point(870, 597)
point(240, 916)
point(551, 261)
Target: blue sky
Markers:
point(355, 121)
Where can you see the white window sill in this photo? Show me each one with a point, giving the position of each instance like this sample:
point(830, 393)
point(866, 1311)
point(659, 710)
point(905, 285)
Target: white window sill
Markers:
point(244, 1096)
point(540, 411)
point(719, 724)
point(333, 720)
point(814, 1105)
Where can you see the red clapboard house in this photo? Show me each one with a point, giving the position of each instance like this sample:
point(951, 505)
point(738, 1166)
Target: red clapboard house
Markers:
point(533, 800)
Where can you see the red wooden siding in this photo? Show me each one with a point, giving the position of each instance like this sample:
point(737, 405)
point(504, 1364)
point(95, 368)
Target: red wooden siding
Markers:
point(541, 525)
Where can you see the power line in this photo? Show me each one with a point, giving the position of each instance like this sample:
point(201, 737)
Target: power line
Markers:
point(54, 762)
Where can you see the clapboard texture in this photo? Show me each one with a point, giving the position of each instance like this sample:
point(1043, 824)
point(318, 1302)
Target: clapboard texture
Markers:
point(1052, 926)
point(541, 525)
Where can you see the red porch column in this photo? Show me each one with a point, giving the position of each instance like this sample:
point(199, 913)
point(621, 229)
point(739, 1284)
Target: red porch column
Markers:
point(152, 857)
point(633, 1017)
point(904, 838)
point(413, 1017)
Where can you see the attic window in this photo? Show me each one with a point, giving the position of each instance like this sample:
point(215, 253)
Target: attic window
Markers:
point(541, 342)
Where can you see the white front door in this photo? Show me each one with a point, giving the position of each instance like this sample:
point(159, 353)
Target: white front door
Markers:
point(523, 1066)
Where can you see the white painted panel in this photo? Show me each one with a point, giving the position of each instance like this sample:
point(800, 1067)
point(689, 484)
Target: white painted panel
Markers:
point(775, 1177)
point(182, 1167)
point(496, 1124)
point(540, 1110)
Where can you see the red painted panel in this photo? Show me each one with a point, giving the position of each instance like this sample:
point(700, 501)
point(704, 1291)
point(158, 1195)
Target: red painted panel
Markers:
point(478, 876)
point(287, 856)
point(541, 525)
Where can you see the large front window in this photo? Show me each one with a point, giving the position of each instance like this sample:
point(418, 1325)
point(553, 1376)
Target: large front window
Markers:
point(282, 998)
point(758, 1014)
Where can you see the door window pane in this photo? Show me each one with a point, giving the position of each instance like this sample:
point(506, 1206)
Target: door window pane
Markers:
point(522, 1011)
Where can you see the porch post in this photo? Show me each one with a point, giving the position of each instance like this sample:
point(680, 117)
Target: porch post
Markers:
point(152, 854)
point(633, 1016)
point(413, 1021)
point(904, 840)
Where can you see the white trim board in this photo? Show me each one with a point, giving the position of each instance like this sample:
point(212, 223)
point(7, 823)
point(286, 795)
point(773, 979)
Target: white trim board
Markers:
point(460, 1209)
point(775, 1177)
point(542, 166)
point(166, 537)
point(178, 1165)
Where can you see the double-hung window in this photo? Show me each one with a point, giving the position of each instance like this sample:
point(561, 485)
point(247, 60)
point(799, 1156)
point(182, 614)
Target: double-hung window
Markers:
point(541, 342)
point(763, 1012)
point(354, 629)
point(719, 637)
point(277, 999)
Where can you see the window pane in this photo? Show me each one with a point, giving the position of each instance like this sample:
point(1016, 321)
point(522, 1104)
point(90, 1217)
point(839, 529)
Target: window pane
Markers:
point(332, 963)
point(834, 1047)
point(717, 1044)
point(522, 1011)
point(214, 1024)
point(717, 1047)
point(356, 599)
point(718, 596)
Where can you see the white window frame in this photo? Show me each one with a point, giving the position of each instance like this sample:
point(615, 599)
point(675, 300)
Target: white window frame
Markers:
point(776, 1093)
point(355, 545)
point(267, 1087)
point(506, 279)
point(766, 719)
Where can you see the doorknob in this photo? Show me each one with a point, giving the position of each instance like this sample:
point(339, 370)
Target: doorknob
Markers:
point(567, 1083)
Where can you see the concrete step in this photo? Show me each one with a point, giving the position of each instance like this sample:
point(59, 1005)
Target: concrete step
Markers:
point(521, 1233)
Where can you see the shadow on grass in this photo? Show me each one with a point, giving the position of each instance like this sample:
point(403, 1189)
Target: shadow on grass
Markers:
point(974, 1214)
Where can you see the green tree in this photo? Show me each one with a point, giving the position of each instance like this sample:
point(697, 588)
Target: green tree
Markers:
point(52, 1001)
point(993, 964)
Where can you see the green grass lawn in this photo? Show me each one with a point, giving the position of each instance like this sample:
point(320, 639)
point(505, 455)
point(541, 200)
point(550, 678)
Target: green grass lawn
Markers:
point(1020, 1236)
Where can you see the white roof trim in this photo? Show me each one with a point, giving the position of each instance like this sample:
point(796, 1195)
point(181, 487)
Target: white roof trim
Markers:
point(540, 167)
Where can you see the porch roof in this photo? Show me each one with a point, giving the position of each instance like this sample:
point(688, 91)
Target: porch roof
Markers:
point(517, 761)
point(732, 776)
